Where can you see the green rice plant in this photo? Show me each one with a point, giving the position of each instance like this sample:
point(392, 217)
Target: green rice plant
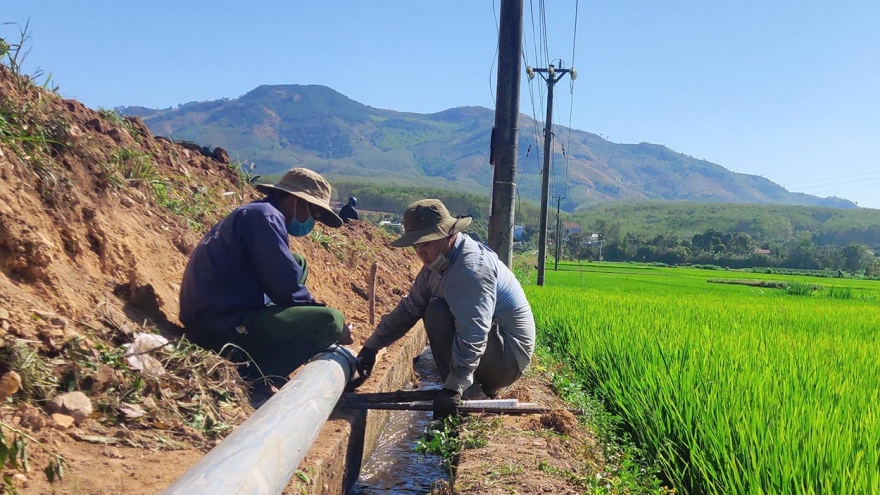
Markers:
point(844, 293)
point(733, 392)
point(799, 289)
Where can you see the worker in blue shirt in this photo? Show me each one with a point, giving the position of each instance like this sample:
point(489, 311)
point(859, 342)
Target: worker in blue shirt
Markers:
point(243, 289)
point(348, 213)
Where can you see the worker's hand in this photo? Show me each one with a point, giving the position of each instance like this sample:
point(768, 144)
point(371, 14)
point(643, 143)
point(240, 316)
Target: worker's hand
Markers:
point(345, 338)
point(446, 404)
point(366, 359)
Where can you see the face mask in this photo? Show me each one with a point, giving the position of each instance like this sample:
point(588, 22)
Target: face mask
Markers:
point(439, 264)
point(297, 229)
point(300, 229)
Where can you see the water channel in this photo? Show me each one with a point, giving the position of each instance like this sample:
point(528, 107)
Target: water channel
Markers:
point(395, 468)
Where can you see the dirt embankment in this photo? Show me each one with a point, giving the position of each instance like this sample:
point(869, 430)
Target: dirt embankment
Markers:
point(97, 219)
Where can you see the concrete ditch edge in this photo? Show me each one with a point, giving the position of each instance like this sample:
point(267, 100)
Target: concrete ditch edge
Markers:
point(333, 463)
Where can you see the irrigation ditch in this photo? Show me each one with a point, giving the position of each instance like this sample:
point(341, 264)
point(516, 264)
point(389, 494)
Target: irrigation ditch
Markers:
point(346, 444)
point(395, 468)
point(358, 443)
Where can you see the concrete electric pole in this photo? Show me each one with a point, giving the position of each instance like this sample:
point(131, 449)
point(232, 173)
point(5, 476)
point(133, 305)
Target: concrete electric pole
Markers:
point(551, 74)
point(558, 235)
point(504, 134)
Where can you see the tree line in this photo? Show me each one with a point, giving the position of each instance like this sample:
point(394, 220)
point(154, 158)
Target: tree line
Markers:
point(723, 249)
point(673, 233)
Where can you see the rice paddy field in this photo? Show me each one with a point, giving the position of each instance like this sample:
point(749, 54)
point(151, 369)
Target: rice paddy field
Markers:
point(737, 387)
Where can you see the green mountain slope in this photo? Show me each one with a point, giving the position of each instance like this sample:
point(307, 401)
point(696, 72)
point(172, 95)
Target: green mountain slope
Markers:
point(764, 223)
point(278, 127)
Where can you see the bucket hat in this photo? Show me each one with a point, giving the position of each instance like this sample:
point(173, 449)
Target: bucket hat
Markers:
point(309, 186)
point(429, 220)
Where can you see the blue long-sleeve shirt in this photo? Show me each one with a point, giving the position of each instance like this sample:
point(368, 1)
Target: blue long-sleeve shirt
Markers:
point(240, 265)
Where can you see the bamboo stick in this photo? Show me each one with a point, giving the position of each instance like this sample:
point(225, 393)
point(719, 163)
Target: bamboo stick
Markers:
point(372, 298)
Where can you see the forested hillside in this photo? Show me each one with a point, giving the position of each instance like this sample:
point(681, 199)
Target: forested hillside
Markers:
point(771, 224)
point(733, 235)
point(277, 127)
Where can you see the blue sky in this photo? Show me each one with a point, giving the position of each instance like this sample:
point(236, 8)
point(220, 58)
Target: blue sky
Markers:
point(785, 89)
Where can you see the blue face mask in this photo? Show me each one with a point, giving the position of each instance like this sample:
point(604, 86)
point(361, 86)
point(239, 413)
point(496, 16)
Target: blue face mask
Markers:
point(300, 229)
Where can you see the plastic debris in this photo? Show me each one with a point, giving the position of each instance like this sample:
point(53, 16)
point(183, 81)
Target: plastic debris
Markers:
point(138, 354)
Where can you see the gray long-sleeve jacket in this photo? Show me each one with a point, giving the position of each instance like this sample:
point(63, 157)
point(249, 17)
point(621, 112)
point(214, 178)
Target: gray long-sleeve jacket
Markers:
point(479, 289)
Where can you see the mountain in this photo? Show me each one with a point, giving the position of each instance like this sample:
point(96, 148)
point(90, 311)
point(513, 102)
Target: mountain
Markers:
point(278, 127)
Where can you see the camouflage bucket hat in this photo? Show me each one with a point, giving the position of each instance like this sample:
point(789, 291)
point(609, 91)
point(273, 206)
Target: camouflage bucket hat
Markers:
point(428, 220)
point(309, 186)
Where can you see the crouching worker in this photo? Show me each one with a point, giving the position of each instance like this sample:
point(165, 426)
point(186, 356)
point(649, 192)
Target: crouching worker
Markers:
point(479, 323)
point(243, 286)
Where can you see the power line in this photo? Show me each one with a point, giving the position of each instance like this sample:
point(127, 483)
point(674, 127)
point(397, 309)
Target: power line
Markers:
point(494, 57)
point(567, 154)
point(543, 24)
point(538, 63)
point(834, 184)
point(826, 179)
point(574, 37)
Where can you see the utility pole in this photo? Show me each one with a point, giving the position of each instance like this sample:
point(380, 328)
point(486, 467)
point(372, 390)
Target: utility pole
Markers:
point(558, 238)
point(552, 75)
point(504, 134)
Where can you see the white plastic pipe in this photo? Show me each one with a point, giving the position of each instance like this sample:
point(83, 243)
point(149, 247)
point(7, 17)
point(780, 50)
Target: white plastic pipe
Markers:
point(261, 455)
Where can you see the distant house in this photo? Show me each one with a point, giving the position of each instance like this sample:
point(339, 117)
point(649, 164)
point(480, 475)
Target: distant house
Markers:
point(571, 228)
point(762, 251)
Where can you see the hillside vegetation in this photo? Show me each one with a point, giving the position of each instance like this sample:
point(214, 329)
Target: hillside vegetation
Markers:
point(314, 126)
point(771, 224)
point(732, 235)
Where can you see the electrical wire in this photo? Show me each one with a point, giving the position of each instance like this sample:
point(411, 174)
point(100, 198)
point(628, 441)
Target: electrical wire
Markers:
point(494, 57)
point(835, 184)
point(836, 178)
point(537, 63)
point(543, 21)
point(571, 94)
point(574, 37)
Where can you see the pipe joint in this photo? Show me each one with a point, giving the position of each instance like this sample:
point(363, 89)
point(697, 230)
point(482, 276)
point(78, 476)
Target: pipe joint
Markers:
point(347, 356)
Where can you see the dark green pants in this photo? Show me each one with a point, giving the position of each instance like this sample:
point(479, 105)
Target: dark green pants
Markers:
point(281, 338)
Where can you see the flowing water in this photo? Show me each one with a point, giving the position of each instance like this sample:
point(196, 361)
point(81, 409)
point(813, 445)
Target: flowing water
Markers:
point(394, 468)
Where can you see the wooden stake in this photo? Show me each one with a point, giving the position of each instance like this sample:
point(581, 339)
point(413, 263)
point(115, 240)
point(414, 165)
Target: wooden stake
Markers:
point(372, 298)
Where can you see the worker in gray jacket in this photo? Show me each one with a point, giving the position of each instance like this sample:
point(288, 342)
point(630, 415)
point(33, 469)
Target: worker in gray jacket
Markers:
point(479, 323)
